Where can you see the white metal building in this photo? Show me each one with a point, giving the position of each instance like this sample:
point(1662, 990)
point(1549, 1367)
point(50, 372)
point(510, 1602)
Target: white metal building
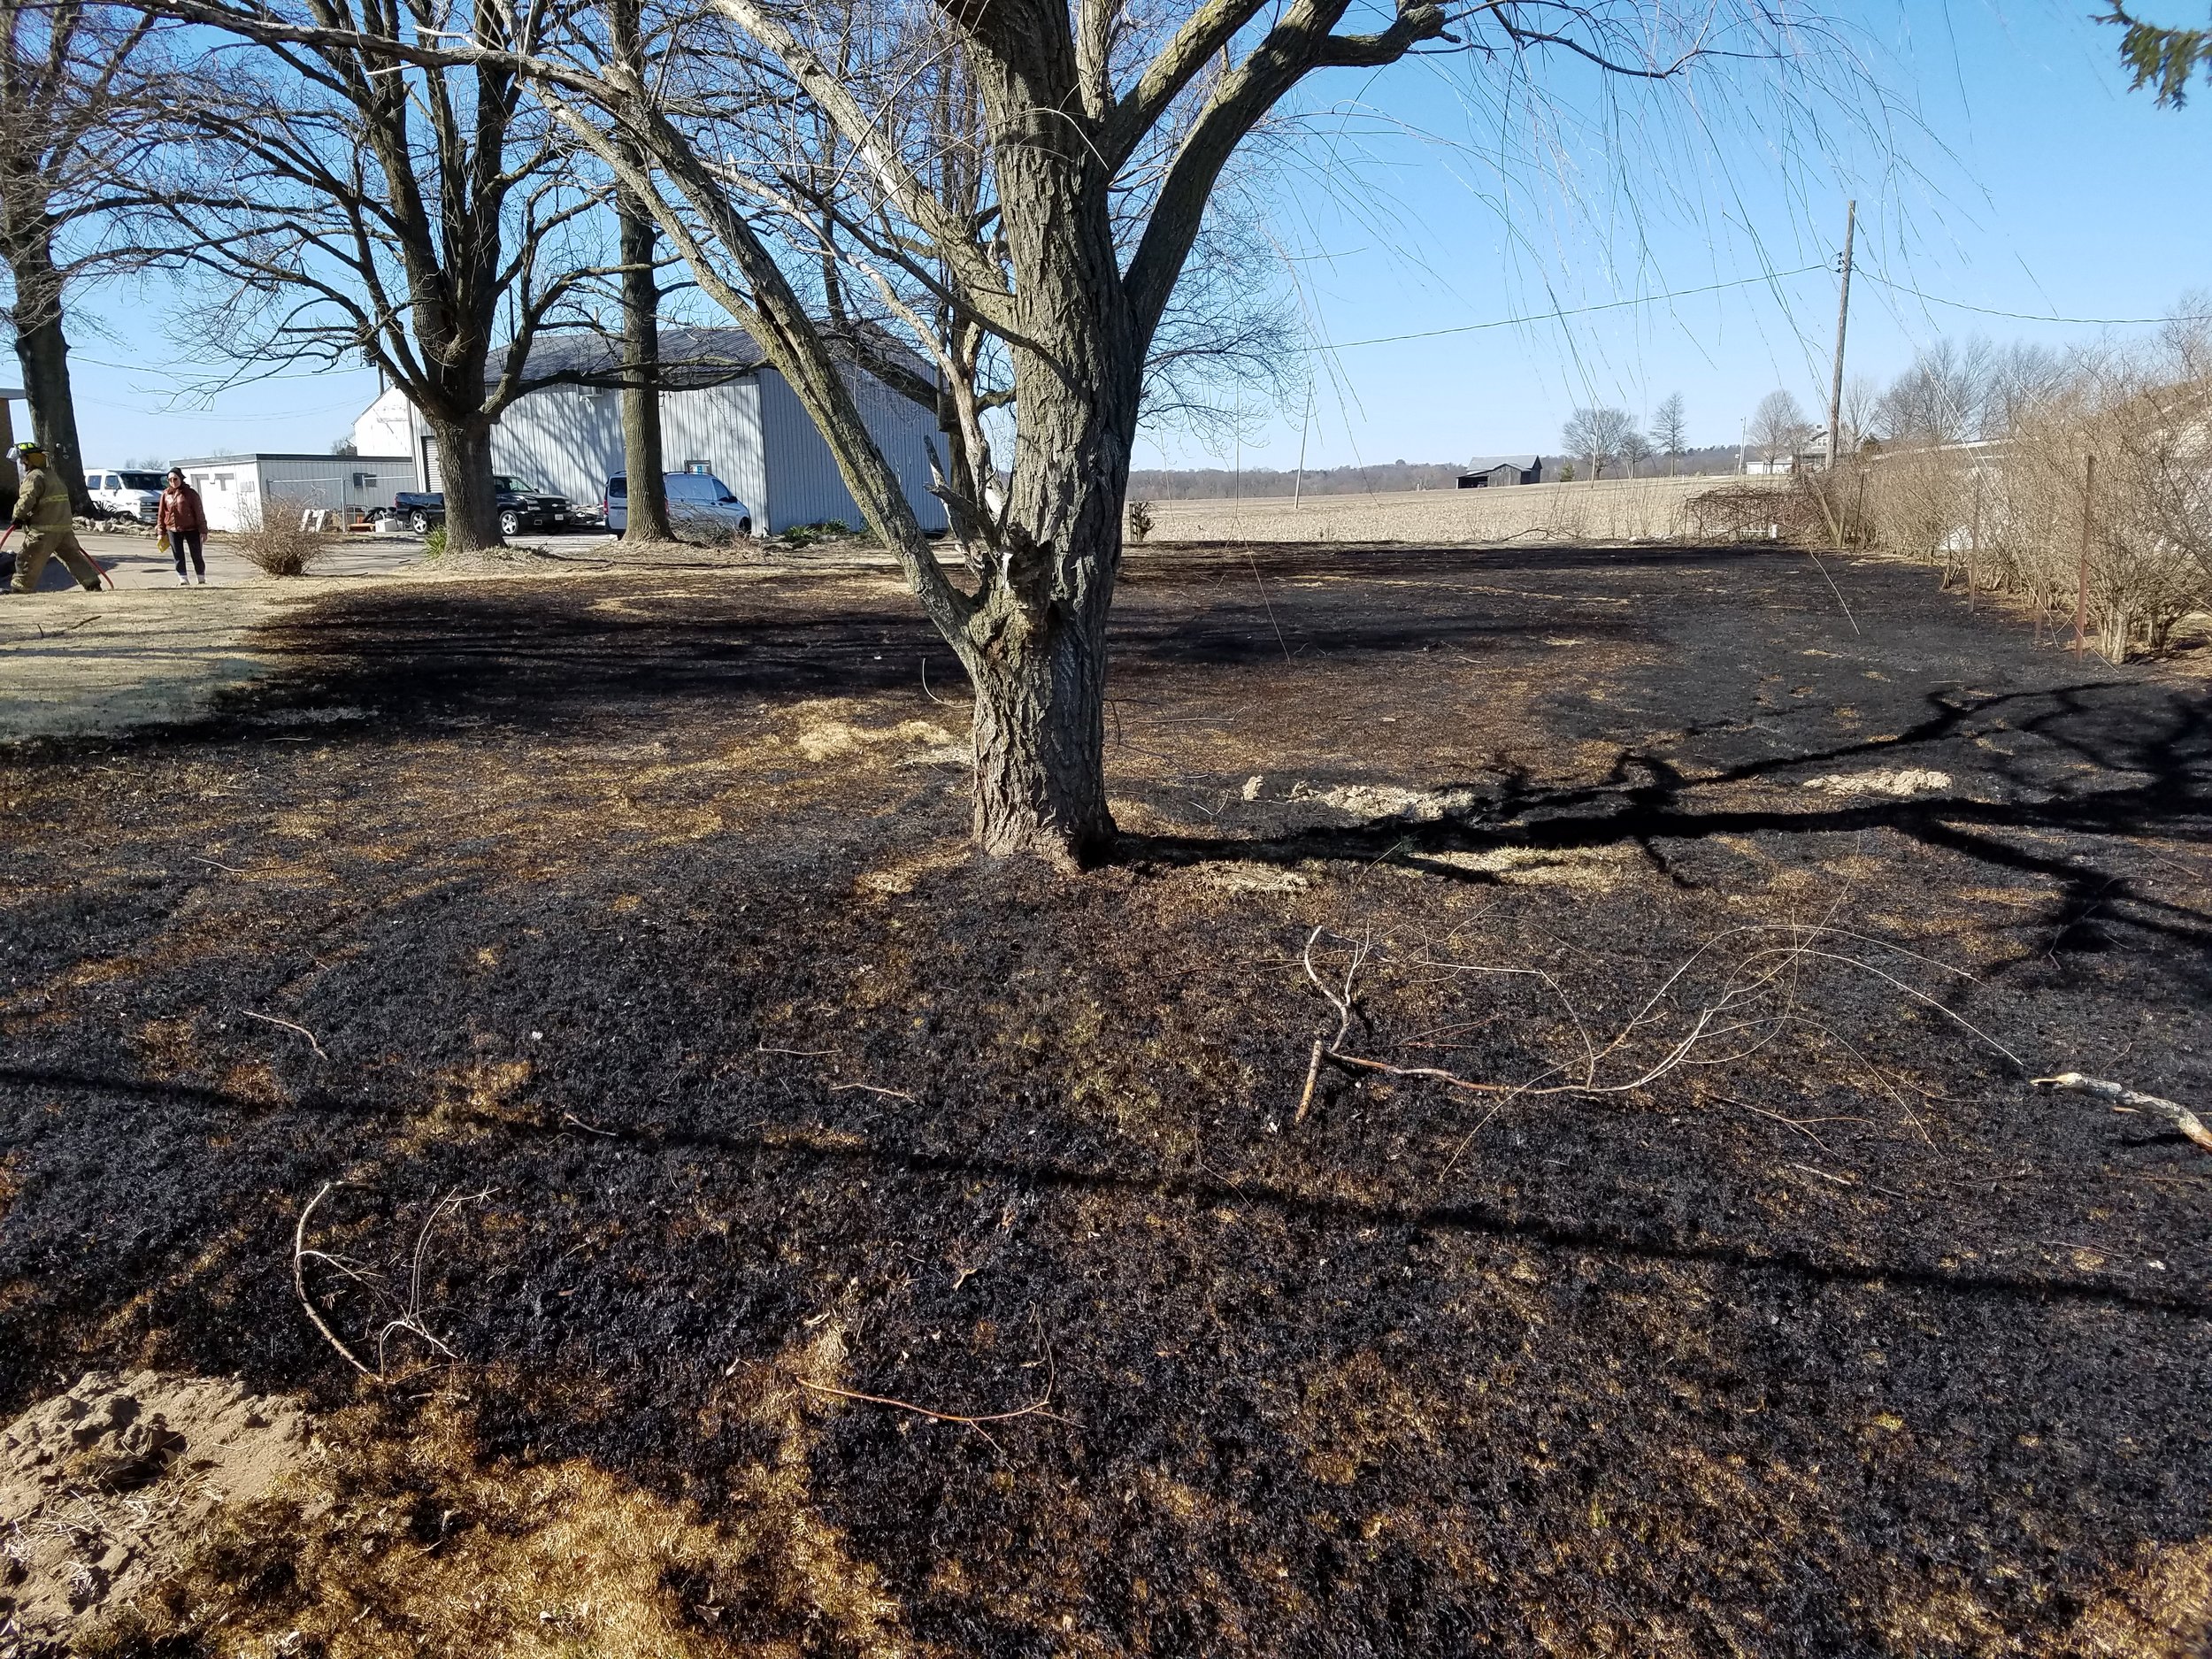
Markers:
point(723, 411)
point(239, 489)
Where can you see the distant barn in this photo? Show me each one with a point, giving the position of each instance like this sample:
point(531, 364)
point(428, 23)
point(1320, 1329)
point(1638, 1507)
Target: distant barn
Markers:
point(1497, 471)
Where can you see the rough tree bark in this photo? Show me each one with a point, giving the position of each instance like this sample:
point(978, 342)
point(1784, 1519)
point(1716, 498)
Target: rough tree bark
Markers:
point(644, 469)
point(642, 461)
point(465, 472)
point(42, 350)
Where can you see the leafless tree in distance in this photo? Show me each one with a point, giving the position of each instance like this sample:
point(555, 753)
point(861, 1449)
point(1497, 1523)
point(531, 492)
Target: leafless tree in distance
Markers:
point(1670, 429)
point(1635, 449)
point(1778, 428)
point(1596, 433)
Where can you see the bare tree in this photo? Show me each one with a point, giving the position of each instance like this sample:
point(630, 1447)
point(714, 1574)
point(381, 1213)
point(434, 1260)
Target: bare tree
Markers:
point(1020, 187)
point(1597, 433)
point(1778, 428)
point(1862, 401)
point(1635, 449)
point(1670, 429)
point(357, 207)
point(644, 479)
point(75, 138)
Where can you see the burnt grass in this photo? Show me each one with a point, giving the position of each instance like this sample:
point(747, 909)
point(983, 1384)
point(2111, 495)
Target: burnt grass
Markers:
point(638, 906)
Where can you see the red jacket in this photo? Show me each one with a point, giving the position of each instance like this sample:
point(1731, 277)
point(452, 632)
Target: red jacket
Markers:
point(181, 510)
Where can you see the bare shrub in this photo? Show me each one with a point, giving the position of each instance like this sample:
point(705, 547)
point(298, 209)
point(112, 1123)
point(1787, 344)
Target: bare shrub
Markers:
point(276, 545)
point(2021, 513)
point(1756, 512)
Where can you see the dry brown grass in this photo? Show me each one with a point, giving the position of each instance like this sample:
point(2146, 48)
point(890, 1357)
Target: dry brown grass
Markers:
point(1610, 509)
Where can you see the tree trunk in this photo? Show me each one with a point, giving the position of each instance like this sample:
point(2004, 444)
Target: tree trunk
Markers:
point(465, 472)
point(641, 460)
point(1040, 732)
point(42, 350)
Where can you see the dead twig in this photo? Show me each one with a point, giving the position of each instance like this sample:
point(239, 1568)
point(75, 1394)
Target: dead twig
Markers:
point(270, 1019)
point(409, 1319)
point(300, 1254)
point(1305, 1097)
point(219, 864)
point(2182, 1118)
point(1429, 1072)
point(1832, 589)
point(1034, 1409)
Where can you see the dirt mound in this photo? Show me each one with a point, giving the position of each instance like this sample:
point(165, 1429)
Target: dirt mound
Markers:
point(103, 1487)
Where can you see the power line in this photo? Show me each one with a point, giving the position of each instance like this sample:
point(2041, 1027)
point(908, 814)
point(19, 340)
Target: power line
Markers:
point(1738, 282)
point(2031, 317)
point(1579, 311)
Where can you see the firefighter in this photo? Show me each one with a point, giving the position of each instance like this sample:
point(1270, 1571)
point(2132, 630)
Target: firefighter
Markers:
point(42, 512)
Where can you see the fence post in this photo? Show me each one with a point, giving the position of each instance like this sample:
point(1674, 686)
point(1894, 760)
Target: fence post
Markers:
point(2081, 592)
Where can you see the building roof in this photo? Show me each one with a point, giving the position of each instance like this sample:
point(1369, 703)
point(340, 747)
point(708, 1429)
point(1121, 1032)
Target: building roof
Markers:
point(1492, 463)
point(269, 454)
point(690, 358)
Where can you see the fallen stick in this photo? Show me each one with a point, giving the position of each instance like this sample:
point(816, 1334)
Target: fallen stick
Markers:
point(270, 1019)
point(1427, 1072)
point(2120, 1094)
point(1313, 1070)
point(299, 1285)
point(1034, 1409)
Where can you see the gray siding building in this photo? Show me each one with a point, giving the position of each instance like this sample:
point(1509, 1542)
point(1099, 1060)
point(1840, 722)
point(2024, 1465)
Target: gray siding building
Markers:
point(723, 411)
point(237, 490)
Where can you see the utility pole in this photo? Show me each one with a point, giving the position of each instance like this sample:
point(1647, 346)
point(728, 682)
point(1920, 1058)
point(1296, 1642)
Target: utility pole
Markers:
point(1298, 489)
point(1742, 427)
point(1843, 316)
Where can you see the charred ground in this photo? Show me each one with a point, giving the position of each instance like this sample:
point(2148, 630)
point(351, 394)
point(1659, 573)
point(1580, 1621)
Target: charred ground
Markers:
point(639, 905)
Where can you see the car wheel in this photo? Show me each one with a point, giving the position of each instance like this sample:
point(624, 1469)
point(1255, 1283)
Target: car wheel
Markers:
point(420, 523)
point(510, 524)
point(744, 526)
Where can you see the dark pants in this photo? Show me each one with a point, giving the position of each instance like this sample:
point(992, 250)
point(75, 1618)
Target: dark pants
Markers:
point(179, 539)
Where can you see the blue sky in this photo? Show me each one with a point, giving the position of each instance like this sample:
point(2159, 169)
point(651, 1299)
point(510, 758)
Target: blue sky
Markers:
point(2013, 172)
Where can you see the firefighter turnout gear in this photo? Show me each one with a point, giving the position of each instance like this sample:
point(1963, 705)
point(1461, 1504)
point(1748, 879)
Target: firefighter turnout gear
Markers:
point(42, 512)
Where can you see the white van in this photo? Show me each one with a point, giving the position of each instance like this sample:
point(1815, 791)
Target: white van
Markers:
point(698, 502)
point(133, 493)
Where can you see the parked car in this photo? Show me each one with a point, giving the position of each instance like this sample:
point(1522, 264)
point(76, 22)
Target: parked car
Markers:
point(522, 506)
point(132, 493)
point(696, 500)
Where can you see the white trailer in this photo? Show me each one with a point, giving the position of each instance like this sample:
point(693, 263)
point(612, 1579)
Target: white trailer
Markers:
point(238, 490)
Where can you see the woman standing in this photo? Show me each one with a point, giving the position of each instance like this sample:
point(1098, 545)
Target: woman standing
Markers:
point(185, 521)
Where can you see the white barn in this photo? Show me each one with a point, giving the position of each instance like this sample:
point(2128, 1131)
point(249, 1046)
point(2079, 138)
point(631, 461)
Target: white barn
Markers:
point(240, 490)
point(723, 411)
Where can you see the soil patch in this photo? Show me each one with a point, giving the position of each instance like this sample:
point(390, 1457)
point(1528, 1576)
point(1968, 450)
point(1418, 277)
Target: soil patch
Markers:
point(107, 1488)
point(872, 1250)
